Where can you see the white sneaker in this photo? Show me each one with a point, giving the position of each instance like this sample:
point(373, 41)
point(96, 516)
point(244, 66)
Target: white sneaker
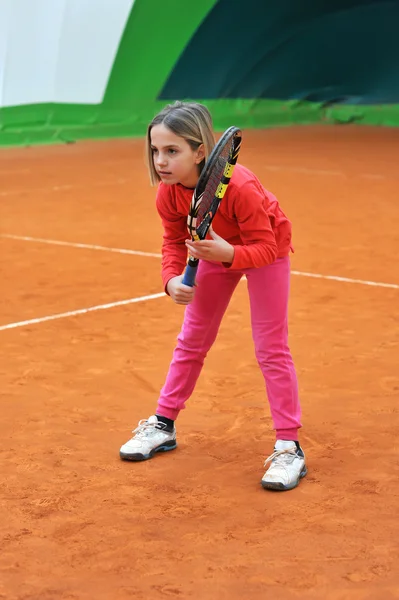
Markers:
point(287, 467)
point(149, 437)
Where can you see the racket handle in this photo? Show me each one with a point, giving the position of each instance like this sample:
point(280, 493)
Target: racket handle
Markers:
point(190, 274)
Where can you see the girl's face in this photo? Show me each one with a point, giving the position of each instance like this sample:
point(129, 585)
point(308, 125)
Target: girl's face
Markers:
point(174, 159)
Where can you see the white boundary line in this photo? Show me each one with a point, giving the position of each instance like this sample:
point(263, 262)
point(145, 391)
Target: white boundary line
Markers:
point(15, 171)
point(75, 245)
point(62, 188)
point(328, 172)
point(82, 311)
point(393, 286)
point(122, 181)
point(153, 296)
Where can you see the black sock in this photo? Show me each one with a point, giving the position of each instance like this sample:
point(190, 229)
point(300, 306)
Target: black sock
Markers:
point(170, 425)
point(299, 449)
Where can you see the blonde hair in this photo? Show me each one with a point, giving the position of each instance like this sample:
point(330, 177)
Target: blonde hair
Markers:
point(189, 120)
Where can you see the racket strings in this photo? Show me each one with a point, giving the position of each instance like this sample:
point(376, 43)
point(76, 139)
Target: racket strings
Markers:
point(215, 177)
point(212, 186)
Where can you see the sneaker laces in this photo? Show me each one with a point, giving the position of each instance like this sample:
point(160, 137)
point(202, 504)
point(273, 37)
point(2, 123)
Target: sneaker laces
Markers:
point(144, 428)
point(282, 458)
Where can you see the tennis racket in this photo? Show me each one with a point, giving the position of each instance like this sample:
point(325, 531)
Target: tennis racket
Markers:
point(209, 191)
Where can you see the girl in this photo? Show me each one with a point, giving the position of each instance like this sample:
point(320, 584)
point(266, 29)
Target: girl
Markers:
point(251, 237)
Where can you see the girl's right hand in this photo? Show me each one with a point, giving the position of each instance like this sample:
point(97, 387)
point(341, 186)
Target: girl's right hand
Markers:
point(181, 294)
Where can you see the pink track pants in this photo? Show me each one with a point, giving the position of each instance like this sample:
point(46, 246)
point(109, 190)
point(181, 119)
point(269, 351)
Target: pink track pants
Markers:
point(268, 289)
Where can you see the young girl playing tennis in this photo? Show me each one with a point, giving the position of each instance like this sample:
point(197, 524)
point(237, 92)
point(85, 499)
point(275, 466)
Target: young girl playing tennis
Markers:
point(251, 236)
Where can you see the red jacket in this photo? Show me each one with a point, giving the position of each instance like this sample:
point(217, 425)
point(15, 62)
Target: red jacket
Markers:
point(249, 217)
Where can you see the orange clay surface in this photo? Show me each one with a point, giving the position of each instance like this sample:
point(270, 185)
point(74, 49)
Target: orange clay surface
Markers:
point(195, 524)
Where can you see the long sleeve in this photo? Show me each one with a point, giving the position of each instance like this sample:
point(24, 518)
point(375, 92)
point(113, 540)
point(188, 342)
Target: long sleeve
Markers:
point(174, 251)
point(249, 217)
point(259, 245)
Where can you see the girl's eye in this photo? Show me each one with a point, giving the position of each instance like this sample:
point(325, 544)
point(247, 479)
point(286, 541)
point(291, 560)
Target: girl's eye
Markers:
point(154, 150)
point(172, 151)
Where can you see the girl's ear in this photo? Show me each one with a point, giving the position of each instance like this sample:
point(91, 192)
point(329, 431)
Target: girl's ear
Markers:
point(200, 154)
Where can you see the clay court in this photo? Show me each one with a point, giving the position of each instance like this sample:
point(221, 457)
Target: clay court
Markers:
point(86, 340)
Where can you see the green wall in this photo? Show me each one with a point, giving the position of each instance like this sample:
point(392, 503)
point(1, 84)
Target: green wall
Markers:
point(263, 78)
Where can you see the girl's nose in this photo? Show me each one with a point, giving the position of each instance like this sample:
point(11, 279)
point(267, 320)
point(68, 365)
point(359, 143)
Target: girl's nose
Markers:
point(161, 159)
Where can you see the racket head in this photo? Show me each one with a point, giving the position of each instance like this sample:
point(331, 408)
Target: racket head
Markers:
point(212, 183)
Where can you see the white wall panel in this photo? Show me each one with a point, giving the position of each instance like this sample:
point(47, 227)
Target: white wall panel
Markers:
point(58, 50)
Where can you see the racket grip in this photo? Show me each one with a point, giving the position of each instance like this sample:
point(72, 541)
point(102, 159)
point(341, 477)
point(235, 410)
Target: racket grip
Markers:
point(189, 275)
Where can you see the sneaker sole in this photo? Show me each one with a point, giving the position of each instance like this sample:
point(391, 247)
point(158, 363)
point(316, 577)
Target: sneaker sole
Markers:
point(279, 487)
point(138, 457)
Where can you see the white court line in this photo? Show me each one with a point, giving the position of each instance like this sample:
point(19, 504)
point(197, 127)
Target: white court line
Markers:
point(121, 181)
point(328, 172)
point(306, 171)
point(63, 187)
point(153, 296)
point(81, 311)
point(393, 286)
point(14, 171)
point(76, 245)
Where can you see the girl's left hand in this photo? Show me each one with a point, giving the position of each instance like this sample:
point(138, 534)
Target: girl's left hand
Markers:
point(216, 249)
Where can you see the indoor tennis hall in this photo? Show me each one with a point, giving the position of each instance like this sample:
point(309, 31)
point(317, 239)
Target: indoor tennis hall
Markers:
point(86, 339)
point(87, 332)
